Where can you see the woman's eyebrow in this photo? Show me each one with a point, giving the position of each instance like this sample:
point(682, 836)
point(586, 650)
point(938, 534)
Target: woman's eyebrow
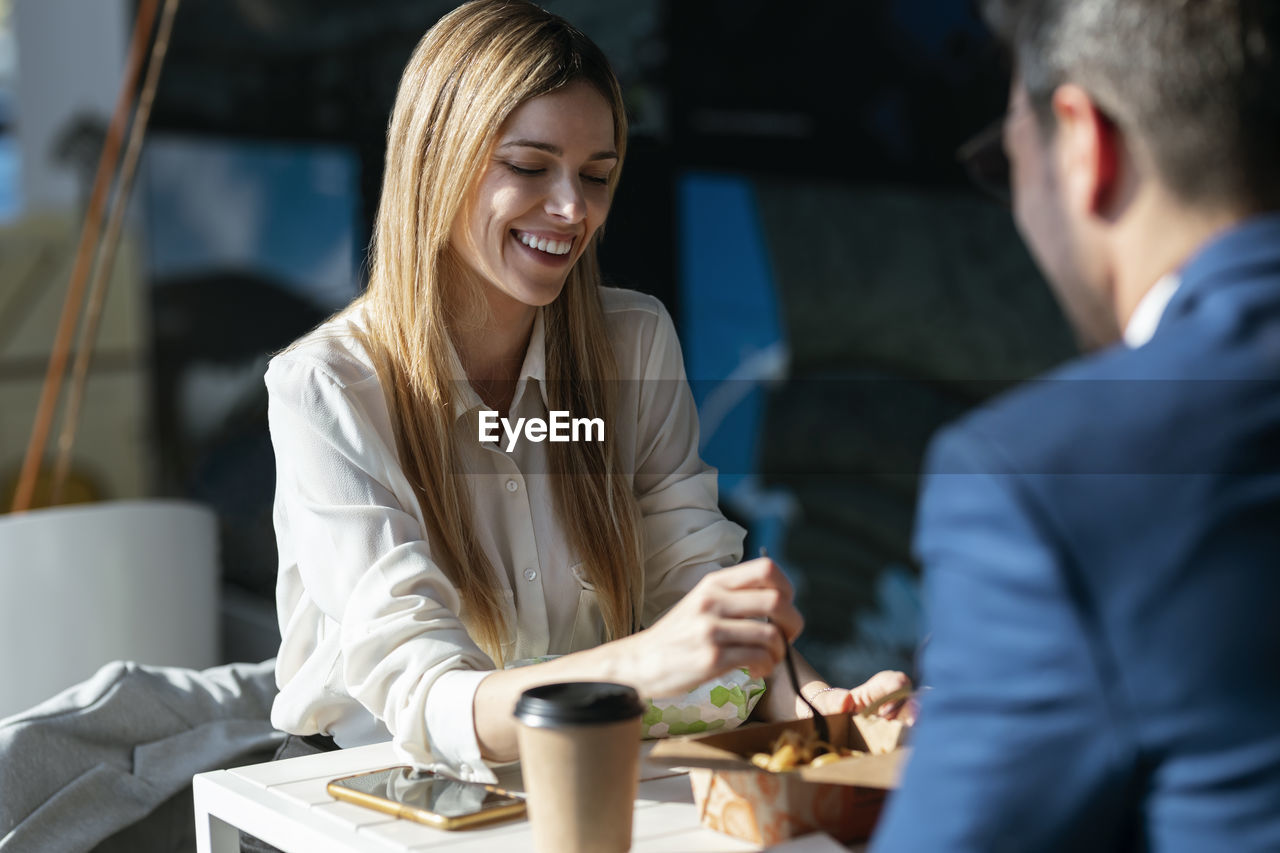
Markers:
point(555, 149)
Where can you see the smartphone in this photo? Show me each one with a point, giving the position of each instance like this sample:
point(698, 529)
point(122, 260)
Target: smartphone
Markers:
point(428, 797)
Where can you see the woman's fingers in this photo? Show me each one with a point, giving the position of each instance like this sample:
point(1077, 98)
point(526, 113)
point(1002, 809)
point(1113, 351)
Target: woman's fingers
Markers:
point(754, 590)
point(762, 572)
point(748, 633)
point(739, 617)
point(726, 645)
point(878, 686)
point(766, 603)
point(756, 660)
point(890, 710)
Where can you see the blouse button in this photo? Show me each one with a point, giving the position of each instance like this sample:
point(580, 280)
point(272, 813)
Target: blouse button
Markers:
point(530, 574)
point(512, 485)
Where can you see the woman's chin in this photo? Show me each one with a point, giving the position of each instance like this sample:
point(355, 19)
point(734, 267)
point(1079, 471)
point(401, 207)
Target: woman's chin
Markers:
point(529, 293)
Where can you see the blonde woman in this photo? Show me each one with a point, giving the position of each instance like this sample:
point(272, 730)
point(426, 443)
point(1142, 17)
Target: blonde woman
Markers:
point(416, 558)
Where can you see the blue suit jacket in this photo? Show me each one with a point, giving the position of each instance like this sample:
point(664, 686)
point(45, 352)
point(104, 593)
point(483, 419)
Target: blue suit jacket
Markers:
point(1102, 577)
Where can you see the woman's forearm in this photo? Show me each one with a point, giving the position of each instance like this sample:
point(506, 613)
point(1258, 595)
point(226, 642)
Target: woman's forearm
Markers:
point(497, 694)
point(735, 618)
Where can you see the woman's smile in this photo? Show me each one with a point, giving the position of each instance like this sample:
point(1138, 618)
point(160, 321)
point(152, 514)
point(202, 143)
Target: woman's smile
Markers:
point(554, 245)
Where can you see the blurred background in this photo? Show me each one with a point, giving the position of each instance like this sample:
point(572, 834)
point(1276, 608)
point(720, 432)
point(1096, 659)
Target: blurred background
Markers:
point(791, 193)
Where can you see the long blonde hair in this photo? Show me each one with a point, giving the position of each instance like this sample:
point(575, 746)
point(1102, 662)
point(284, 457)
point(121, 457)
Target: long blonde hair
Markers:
point(467, 74)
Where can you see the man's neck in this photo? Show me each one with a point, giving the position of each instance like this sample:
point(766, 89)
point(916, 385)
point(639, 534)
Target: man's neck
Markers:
point(1154, 241)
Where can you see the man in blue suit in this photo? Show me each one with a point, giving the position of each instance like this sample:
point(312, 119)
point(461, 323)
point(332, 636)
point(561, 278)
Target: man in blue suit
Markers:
point(1101, 548)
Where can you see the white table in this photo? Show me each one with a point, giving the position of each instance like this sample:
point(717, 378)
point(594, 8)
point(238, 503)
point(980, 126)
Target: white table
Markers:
point(285, 804)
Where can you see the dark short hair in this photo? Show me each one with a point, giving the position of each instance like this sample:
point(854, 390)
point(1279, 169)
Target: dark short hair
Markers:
point(1196, 81)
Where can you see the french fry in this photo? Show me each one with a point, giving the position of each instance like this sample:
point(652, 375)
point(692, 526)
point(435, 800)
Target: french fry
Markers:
point(791, 749)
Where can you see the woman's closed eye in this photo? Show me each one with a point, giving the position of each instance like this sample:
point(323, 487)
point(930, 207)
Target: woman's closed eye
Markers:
point(526, 171)
point(534, 171)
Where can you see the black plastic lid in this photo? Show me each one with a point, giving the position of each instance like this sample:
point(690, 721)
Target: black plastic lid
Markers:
point(577, 703)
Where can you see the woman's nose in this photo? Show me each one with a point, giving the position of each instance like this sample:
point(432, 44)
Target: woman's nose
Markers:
point(565, 200)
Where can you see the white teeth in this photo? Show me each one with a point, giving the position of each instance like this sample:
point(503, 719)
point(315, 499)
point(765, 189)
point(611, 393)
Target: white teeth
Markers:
point(542, 244)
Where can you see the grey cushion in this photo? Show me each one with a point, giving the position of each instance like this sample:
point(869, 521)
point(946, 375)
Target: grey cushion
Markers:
point(99, 758)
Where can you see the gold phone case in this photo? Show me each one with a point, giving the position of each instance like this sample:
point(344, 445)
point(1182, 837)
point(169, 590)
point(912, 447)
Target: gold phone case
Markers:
point(438, 821)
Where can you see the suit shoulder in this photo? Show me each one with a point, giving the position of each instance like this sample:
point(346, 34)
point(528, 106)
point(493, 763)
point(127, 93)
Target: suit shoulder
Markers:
point(1054, 423)
point(1124, 411)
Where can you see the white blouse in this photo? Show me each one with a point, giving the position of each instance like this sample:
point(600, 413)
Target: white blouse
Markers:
point(372, 645)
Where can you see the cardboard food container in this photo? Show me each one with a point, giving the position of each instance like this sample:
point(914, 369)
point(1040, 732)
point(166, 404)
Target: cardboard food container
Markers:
point(842, 798)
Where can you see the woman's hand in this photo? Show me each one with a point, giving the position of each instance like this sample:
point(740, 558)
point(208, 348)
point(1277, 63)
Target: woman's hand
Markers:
point(877, 687)
point(738, 617)
point(837, 700)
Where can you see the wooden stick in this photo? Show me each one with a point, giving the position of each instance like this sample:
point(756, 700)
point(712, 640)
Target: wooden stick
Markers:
point(84, 253)
point(107, 255)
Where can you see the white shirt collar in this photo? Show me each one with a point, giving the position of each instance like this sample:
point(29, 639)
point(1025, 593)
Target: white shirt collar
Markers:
point(1146, 316)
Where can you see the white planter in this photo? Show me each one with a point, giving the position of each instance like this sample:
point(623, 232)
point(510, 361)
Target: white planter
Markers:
point(84, 585)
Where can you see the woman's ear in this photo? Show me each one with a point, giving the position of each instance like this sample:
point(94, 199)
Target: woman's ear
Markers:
point(1089, 152)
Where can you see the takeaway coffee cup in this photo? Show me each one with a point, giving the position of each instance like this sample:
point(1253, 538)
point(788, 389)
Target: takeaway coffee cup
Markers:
point(579, 745)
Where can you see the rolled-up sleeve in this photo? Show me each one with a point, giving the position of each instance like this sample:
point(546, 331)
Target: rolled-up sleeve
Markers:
point(685, 534)
point(364, 608)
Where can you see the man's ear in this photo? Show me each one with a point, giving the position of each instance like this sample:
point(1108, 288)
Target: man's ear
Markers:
point(1088, 151)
